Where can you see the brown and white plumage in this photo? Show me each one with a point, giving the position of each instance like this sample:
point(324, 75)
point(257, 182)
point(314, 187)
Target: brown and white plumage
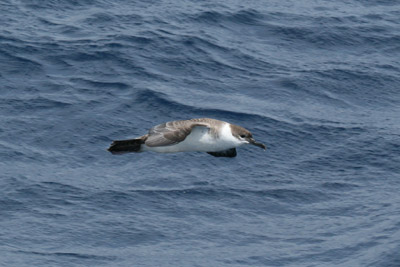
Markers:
point(215, 137)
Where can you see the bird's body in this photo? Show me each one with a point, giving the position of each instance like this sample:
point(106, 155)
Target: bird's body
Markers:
point(215, 137)
point(200, 139)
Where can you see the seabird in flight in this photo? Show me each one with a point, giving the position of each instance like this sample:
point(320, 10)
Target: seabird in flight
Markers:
point(217, 138)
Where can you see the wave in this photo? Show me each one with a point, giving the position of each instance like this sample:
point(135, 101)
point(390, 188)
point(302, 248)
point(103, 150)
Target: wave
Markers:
point(244, 16)
point(70, 255)
point(101, 84)
point(318, 84)
point(32, 105)
point(293, 196)
point(312, 31)
point(18, 63)
point(161, 103)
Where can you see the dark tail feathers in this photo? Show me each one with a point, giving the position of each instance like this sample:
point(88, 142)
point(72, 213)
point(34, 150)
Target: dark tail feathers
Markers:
point(126, 146)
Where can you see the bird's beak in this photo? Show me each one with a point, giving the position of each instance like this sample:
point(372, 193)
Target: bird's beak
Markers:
point(253, 142)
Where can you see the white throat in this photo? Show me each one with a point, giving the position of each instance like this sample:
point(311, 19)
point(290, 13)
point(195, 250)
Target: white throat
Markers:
point(227, 136)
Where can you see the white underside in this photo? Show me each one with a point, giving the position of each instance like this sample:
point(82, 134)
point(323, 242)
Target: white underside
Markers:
point(201, 140)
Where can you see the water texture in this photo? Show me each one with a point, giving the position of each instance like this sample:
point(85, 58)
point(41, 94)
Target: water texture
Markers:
point(316, 81)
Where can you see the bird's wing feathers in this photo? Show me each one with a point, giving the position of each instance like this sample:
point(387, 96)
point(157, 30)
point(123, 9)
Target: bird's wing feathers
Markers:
point(172, 132)
point(229, 153)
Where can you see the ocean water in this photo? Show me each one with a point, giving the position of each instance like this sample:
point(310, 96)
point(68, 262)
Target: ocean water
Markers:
point(317, 81)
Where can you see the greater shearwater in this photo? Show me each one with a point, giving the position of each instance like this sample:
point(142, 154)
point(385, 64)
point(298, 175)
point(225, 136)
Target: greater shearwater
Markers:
point(217, 138)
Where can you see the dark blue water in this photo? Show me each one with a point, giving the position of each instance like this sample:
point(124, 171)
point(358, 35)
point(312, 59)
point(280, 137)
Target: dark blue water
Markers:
point(317, 81)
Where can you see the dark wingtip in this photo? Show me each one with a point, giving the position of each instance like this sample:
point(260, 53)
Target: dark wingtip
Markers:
point(119, 147)
point(112, 149)
point(264, 147)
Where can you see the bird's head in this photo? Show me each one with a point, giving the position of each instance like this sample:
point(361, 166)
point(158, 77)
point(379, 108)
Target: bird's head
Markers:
point(245, 136)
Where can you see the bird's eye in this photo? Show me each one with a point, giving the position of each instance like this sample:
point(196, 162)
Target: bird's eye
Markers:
point(243, 136)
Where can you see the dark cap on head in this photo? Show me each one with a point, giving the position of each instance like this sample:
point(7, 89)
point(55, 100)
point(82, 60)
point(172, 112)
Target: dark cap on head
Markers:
point(241, 133)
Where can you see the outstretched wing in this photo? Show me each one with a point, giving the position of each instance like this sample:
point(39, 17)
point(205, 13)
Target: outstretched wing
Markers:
point(229, 153)
point(172, 132)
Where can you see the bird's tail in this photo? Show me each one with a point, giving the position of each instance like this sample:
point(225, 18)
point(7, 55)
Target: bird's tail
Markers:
point(126, 146)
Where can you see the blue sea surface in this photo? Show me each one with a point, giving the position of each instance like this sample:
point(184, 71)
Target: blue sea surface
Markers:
point(317, 81)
